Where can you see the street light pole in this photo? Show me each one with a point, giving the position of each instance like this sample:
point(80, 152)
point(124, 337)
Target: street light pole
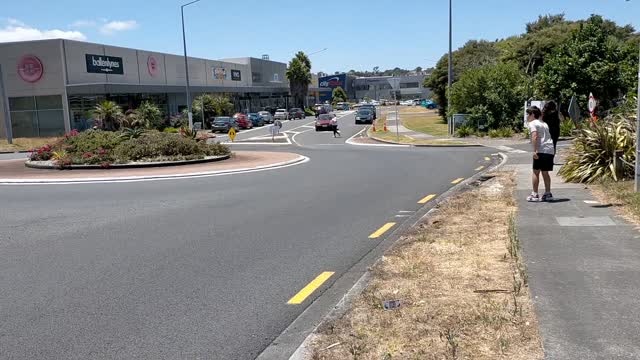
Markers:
point(637, 184)
point(450, 59)
point(186, 64)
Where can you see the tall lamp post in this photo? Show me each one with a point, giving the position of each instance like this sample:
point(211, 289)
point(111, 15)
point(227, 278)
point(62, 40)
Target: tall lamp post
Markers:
point(450, 61)
point(186, 64)
point(306, 96)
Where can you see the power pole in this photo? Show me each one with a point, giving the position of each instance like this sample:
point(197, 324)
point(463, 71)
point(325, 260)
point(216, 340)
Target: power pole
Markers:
point(637, 184)
point(450, 57)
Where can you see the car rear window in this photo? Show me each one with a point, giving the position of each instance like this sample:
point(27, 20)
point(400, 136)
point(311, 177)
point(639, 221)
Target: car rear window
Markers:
point(325, 117)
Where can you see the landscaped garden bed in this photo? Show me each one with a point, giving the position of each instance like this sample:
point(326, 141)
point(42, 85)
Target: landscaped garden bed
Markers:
point(105, 149)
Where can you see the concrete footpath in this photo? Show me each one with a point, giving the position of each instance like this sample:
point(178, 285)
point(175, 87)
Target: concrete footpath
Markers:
point(584, 270)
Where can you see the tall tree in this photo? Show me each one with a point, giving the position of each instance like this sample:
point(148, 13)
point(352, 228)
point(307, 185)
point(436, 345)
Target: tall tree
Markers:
point(109, 114)
point(339, 95)
point(299, 76)
point(595, 59)
point(472, 55)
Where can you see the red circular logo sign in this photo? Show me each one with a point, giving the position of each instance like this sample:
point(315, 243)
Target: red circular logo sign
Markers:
point(152, 65)
point(30, 68)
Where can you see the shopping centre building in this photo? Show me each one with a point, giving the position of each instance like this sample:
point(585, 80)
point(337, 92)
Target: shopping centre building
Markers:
point(51, 86)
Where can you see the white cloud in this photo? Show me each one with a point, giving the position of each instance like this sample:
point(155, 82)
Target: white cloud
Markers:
point(19, 31)
point(84, 23)
point(115, 26)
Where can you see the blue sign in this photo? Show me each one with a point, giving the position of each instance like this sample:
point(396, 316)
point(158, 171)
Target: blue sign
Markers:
point(333, 81)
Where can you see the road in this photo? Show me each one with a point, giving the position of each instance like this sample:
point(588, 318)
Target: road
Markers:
point(201, 268)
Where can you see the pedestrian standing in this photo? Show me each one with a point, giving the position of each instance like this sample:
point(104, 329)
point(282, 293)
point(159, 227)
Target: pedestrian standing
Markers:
point(334, 126)
point(543, 154)
point(551, 117)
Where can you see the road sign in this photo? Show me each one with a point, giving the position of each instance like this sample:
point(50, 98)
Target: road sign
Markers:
point(232, 134)
point(394, 82)
point(593, 102)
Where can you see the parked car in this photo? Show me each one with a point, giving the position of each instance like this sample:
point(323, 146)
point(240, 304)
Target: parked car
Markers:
point(243, 121)
point(370, 107)
point(281, 114)
point(364, 116)
point(223, 124)
point(256, 119)
point(296, 113)
point(323, 123)
point(266, 116)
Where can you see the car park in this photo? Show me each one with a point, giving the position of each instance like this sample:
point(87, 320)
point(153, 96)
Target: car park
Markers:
point(243, 121)
point(266, 116)
point(364, 116)
point(256, 119)
point(296, 113)
point(323, 123)
point(281, 114)
point(223, 124)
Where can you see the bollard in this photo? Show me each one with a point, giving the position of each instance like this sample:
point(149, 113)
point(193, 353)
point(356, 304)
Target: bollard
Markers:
point(618, 166)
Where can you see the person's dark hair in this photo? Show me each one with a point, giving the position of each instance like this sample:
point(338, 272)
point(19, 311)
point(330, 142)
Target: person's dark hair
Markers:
point(550, 113)
point(535, 111)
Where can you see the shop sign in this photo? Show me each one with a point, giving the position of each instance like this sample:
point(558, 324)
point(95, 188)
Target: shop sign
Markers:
point(236, 75)
point(102, 64)
point(152, 65)
point(219, 73)
point(30, 68)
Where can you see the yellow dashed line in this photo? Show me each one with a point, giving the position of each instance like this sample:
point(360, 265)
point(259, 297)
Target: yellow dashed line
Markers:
point(310, 288)
point(426, 199)
point(458, 180)
point(479, 168)
point(382, 230)
point(487, 158)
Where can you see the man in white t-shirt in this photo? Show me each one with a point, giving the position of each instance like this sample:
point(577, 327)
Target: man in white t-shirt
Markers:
point(543, 154)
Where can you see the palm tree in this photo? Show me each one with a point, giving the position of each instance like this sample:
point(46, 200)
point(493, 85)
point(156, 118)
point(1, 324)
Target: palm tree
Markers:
point(299, 75)
point(150, 115)
point(109, 114)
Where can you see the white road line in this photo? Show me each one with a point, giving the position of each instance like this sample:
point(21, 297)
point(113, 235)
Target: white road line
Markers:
point(406, 211)
point(110, 180)
point(402, 216)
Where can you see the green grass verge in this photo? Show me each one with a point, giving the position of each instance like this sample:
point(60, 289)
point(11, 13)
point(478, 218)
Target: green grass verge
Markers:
point(425, 122)
point(24, 144)
point(621, 194)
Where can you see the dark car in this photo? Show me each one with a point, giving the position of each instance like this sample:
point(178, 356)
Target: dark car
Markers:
point(256, 119)
point(370, 107)
point(296, 113)
point(243, 121)
point(224, 124)
point(364, 116)
point(323, 123)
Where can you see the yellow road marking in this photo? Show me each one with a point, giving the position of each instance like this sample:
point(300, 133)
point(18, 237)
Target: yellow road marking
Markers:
point(382, 230)
point(426, 199)
point(457, 180)
point(479, 168)
point(487, 158)
point(310, 288)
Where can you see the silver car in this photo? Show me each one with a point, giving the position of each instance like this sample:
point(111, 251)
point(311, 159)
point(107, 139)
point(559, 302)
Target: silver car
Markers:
point(281, 114)
point(266, 116)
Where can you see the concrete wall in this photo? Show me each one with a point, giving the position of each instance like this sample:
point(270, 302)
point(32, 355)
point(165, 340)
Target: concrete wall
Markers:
point(49, 53)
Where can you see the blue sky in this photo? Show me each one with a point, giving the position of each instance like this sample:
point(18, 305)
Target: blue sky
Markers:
point(358, 34)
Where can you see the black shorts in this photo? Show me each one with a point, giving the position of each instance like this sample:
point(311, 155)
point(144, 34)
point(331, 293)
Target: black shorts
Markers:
point(544, 162)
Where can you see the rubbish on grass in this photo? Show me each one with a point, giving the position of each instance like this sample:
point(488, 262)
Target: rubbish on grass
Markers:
point(391, 304)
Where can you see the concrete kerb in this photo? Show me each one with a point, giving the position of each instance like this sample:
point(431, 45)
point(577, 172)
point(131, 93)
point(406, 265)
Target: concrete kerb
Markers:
point(50, 165)
point(126, 179)
point(359, 273)
point(15, 152)
point(424, 145)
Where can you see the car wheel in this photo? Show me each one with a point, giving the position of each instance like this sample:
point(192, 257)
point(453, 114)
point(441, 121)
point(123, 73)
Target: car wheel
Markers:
point(317, 128)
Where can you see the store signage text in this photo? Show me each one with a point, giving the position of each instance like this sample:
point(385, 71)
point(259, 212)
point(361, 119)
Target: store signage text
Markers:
point(236, 75)
point(101, 64)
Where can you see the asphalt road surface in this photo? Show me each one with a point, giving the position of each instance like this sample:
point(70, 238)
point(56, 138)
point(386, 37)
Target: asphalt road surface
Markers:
point(201, 268)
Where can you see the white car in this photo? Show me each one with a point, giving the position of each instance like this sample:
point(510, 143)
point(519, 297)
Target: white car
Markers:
point(281, 114)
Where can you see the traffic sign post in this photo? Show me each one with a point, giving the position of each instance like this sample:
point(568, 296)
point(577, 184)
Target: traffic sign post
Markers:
point(395, 84)
point(232, 134)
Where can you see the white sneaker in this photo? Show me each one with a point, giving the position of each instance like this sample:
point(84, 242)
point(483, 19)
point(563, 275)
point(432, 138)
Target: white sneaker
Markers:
point(533, 197)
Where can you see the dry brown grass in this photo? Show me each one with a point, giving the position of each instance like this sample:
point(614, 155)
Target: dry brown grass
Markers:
point(444, 274)
point(20, 144)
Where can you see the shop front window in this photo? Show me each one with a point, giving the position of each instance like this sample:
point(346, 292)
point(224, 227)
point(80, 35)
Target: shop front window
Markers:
point(34, 116)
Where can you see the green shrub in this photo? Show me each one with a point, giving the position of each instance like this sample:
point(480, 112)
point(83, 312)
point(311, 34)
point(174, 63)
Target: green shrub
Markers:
point(592, 156)
point(464, 131)
point(156, 145)
point(566, 127)
point(309, 112)
point(503, 132)
point(92, 141)
point(170, 130)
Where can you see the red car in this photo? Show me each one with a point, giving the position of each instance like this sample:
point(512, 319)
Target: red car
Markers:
point(323, 123)
point(243, 121)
